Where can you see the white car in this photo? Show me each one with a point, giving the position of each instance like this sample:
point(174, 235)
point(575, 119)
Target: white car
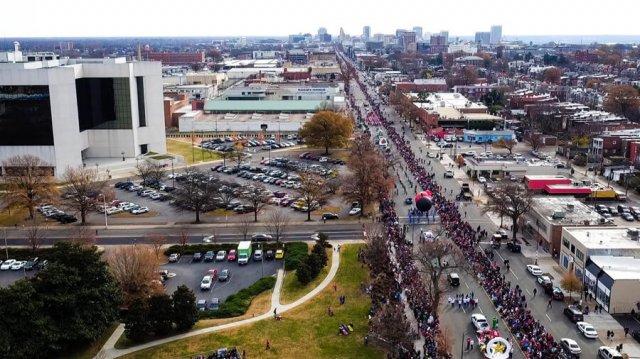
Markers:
point(6, 265)
point(587, 330)
point(220, 257)
point(432, 154)
point(448, 174)
point(323, 159)
point(17, 265)
point(470, 153)
point(140, 210)
point(608, 353)
point(113, 210)
point(571, 346)
point(479, 321)
point(534, 270)
point(355, 211)
point(482, 179)
point(209, 239)
point(206, 282)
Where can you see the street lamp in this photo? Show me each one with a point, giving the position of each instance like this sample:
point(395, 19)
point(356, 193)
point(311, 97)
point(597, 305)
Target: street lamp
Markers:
point(173, 174)
point(122, 153)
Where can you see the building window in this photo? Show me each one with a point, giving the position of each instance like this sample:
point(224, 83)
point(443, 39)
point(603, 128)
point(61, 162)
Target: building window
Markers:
point(144, 149)
point(579, 255)
point(565, 243)
point(104, 103)
point(142, 116)
point(573, 249)
point(25, 116)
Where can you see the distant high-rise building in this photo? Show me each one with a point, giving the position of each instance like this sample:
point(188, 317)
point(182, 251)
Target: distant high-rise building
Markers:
point(322, 31)
point(342, 35)
point(445, 33)
point(496, 34)
point(418, 31)
point(408, 41)
point(483, 38)
point(366, 32)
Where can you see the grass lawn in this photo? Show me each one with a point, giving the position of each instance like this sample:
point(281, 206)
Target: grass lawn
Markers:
point(304, 332)
point(292, 289)
point(190, 154)
point(17, 216)
point(90, 351)
point(220, 212)
point(131, 215)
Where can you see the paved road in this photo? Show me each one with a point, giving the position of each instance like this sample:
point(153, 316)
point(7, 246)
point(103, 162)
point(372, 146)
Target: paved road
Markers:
point(232, 233)
point(458, 320)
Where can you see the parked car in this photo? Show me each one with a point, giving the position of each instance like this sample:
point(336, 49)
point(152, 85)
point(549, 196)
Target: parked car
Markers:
point(608, 353)
point(279, 254)
point(329, 216)
point(587, 330)
point(140, 210)
point(214, 304)
point(224, 275)
point(534, 270)
point(574, 314)
point(174, 257)
point(555, 292)
point(31, 264)
point(257, 255)
point(544, 281)
point(6, 265)
point(454, 279)
point(209, 239)
point(206, 282)
point(197, 257)
point(268, 255)
point(448, 174)
point(17, 265)
point(355, 211)
point(232, 256)
point(221, 256)
point(209, 256)
point(201, 304)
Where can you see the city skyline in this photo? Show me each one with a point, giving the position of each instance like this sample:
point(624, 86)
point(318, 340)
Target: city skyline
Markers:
point(151, 18)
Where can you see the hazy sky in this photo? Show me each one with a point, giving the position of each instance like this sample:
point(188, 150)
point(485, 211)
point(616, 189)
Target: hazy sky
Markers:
point(283, 17)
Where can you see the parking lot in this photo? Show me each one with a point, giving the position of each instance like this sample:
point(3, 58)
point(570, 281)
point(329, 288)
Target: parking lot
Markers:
point(191, 273)
point(8, 277)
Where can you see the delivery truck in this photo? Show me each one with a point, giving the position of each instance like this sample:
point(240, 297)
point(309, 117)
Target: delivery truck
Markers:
point(244, 252)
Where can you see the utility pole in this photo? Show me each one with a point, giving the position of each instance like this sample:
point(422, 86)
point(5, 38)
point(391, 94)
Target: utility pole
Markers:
point(6, 248)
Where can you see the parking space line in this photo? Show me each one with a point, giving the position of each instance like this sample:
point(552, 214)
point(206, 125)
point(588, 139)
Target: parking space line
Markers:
point(527, 290)
point(548, 317)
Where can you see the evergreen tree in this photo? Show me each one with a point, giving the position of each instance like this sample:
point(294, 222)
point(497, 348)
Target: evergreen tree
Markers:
point(161, 313)
point(137, 323)
point(185, 313)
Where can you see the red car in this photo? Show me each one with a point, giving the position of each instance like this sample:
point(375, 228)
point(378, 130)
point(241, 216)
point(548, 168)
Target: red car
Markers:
point(232, 255)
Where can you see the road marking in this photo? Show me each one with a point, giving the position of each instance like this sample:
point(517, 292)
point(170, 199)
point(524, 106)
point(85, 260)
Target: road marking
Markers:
point(501, 257)
point(481, 311)
point(527, 290)
point(465, 283)
point(514, 275)
point(548, 317)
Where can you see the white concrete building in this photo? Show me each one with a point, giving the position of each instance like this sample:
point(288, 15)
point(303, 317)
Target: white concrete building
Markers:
point(81, 112)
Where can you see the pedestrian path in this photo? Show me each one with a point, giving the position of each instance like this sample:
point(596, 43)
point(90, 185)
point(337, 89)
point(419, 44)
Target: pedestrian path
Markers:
point(108, 351)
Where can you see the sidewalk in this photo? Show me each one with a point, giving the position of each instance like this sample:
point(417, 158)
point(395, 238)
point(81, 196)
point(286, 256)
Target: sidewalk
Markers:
point(108, 351)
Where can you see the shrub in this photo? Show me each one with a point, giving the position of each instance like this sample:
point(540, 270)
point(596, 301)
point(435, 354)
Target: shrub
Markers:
point(237, 304)
point(294, 253)
point(303, 273)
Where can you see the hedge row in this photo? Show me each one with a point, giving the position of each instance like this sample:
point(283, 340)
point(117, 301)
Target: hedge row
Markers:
point(237, 304)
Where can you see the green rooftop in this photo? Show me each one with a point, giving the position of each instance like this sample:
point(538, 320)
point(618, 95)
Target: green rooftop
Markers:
point(265, 106)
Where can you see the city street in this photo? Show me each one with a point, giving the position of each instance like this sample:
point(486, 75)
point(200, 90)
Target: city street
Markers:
point(459, 320)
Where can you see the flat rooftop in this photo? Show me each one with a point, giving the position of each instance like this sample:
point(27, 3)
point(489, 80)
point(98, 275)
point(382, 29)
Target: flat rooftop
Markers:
point(575, 212)
point(618, 267)
point(603, 237)
point(223, 106)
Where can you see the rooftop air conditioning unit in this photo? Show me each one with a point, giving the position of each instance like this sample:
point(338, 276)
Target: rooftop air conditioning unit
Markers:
point(633, 233)
point(570, 207)
point(558, 215)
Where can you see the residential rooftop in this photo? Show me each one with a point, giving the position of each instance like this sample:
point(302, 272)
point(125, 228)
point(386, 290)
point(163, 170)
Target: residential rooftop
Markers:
point(567, 210)
point(604, 237)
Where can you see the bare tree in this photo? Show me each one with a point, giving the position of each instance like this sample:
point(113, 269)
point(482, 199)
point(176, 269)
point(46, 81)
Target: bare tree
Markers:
point(392, 329)
point(311, 192)
point(436, 257)
point(34, 234)
point(227, 197)
point(245, 225)
point(29, 182)
point(150, 172)
point(196, 193)
point(506, 144)
point(369, 177)
point(257, 198)
point(536, 141)
point(278, 223)
point(183, 237)
point(83, 187)
point(157, 240)
point(136, 269)
point(511, 200)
